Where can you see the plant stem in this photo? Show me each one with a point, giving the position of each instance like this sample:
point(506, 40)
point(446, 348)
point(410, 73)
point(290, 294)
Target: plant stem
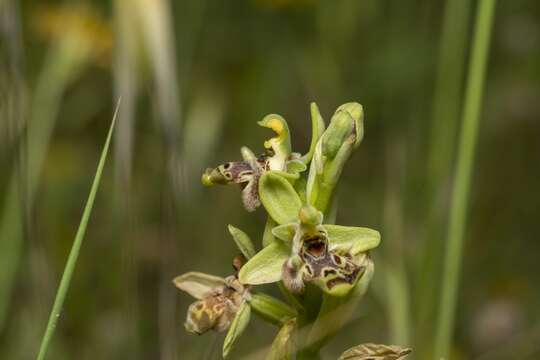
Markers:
point(462, 179)
point(75, 249)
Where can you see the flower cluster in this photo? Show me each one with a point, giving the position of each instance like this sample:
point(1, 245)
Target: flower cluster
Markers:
point(321, 268)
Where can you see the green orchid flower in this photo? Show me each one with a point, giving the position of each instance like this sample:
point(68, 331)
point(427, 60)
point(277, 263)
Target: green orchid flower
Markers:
point(300, 245)
point(330, 256)
point(218, 301)
point(278, 157)
point(225, 304)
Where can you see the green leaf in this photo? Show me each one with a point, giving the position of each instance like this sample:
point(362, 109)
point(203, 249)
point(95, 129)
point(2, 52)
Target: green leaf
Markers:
point(238, 326)
point(76, 247)
point(265, 267)
point(375, 352)
point(271, 309)
point(285, 232)
point(282, 346)
point(198, 284)
point(358, 239)
point(243, 242)
point(279, 198)
point(317, 129)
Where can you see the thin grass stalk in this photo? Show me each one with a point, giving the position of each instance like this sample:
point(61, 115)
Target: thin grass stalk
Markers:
point(395, 271)
point(158, 36)
point(462, 178)
point(75, 249)
point(446, 111)
point(126, 84)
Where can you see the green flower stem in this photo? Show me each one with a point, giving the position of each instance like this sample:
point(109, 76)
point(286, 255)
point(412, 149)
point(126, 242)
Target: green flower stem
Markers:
point(75, 249)
point(462, 180)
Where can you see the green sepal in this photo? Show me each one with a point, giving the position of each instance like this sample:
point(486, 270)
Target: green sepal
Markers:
point(198, 284)
point(271, 309)
point(285, 232)
point(268, 237)
point(265, 267)
point(243, 241)
point(317, 129)
point(279, 198)
point(354, 240)
point(282, 346)
point(238, 326)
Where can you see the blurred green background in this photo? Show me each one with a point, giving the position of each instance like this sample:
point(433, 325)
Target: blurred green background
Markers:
point(194, 77)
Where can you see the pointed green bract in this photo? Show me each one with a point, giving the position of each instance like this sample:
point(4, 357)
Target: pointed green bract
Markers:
point(238, 326)
point(279, 198)
point(75, 249)
point(317, 129)
point(243, 241)
point(271, 309)
point(198, 284)
point(265, 267)
point(356, 239)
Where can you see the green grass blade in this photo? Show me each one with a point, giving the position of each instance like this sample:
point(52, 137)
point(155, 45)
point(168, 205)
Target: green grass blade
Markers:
point(75, 249)
point(445, 121)
point(462, 178)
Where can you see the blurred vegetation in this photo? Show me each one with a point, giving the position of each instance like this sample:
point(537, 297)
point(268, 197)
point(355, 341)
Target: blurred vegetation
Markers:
point(194, 77)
